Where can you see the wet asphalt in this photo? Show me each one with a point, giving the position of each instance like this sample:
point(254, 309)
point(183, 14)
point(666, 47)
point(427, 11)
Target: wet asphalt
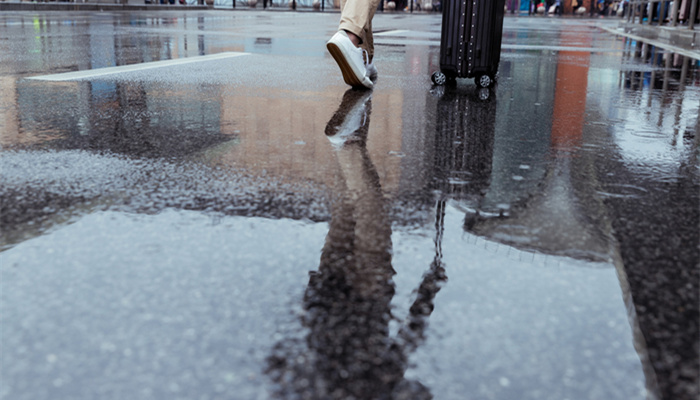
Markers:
point(238, 224)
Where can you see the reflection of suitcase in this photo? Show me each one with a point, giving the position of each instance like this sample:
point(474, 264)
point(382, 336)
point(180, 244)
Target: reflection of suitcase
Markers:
point(470, 46)
point(464, 140)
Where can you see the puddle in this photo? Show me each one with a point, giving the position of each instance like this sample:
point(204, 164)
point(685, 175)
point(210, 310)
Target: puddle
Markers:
point(553, 202)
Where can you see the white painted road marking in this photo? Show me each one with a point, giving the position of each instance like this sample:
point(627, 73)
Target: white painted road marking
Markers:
point(96, 73)
point(394, 32)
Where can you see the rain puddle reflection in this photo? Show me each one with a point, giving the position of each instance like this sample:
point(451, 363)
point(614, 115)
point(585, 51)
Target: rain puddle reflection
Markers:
point(371, 328)
point(592, 155)
point(229, 236)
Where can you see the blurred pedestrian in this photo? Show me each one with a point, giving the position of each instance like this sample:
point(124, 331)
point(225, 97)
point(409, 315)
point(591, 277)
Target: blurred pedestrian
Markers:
point(352, 46)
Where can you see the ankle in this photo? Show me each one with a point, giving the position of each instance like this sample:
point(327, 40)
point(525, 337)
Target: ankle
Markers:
point(354, 38)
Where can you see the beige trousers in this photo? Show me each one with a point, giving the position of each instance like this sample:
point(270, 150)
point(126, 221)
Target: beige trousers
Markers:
point(356, 17)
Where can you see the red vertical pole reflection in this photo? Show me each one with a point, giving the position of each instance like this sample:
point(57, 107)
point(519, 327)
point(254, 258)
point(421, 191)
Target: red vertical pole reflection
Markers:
point(570, 94)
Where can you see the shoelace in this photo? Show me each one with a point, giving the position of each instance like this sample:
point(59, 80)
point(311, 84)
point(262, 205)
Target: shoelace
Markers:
point(365, 57)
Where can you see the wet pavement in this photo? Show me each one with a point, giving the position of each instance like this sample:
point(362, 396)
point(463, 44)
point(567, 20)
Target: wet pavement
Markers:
point(194, 206)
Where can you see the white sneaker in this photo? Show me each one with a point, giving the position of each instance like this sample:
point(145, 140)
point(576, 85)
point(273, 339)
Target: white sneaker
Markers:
point(350, 60)
point(371, 71)
point(351, 121)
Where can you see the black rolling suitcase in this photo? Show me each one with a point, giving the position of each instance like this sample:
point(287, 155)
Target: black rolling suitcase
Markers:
point(470, 46)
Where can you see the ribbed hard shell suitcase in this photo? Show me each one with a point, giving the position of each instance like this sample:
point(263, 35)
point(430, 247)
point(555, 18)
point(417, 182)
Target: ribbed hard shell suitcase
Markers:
point(470, 45)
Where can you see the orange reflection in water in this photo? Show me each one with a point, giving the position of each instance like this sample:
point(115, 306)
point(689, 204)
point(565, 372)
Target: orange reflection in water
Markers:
point(8, 111)
point(12, 133)
point(570, 94)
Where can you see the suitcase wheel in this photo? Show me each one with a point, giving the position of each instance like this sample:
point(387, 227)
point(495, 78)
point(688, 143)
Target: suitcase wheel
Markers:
point(484, 80)
point(439, 78)
point(484, 94)
point(437, 91)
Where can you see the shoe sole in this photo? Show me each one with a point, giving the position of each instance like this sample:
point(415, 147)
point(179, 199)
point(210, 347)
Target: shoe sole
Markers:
point(348, 74)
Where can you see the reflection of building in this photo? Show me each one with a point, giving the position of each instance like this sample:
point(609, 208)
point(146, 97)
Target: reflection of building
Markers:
point(9, 130)
point(283, 135)
point(522, 132)
point(127, 118)
point(557, 213)
point(131, 118)
point(668, 71)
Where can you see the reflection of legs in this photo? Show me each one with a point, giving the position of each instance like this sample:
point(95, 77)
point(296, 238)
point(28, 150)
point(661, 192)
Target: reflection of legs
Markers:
point(372, 230)
point(351, 120)
point(373, 273)
point(348, 299)
point(349, 124)
point(372, 236)
point(357, 251)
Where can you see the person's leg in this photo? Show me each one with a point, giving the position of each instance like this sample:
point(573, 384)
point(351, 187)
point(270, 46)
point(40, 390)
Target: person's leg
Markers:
point(369, 47)
point(354, 30)
point(356, 18)
point(368, 40)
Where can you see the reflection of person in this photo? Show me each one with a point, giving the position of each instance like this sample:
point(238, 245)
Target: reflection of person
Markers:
point(347, 302)
point(348, 299)
point(352, 46)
